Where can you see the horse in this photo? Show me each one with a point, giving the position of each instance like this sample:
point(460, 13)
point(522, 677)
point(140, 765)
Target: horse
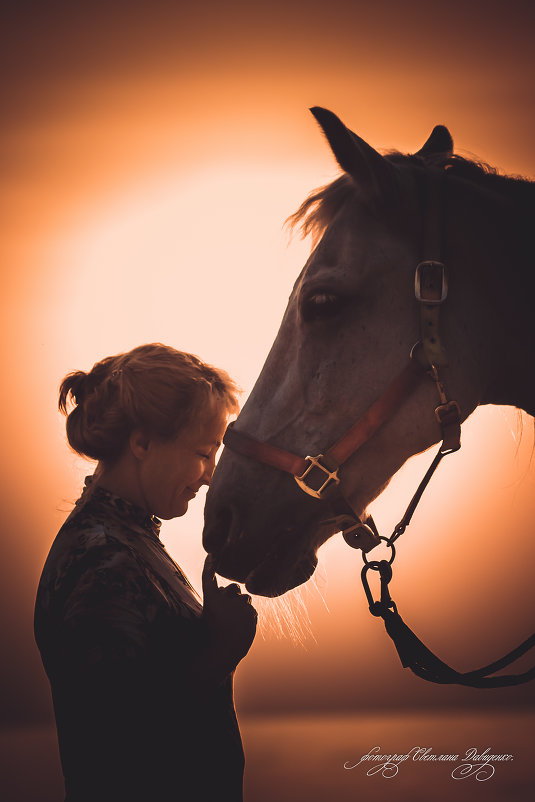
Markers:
point(420, 280)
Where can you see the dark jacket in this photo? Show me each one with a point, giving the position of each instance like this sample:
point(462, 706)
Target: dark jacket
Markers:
point(118, 626)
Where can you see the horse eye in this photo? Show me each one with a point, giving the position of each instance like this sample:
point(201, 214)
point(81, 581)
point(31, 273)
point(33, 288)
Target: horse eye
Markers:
point(321, 305)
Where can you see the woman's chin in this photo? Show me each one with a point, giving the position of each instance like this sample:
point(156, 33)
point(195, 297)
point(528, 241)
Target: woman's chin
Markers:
point(178, 511)
point(180, 505)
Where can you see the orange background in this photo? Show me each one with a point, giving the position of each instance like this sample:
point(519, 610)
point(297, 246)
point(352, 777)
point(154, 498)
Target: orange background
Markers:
point(151, 153)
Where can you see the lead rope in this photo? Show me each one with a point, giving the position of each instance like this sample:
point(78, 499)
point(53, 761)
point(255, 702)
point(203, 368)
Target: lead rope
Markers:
point(431, 291)
point(415, 655)
point(412, 652)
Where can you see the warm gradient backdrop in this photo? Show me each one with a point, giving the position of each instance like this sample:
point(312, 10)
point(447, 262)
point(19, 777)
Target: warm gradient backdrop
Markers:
point(151, 152)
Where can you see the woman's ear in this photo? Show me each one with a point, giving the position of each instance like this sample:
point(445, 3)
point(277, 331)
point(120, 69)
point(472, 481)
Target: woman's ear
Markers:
point(139, 443)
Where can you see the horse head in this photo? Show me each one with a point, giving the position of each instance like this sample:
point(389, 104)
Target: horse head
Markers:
point(350, 325)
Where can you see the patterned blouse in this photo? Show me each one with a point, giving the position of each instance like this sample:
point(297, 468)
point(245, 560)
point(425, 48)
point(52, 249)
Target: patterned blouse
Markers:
point(119, 628)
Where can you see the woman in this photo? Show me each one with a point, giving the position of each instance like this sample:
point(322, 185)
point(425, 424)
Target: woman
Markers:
point(141, 673)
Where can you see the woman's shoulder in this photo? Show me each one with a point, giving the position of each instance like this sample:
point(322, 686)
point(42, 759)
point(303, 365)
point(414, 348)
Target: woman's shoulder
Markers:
point(87, 531)
point(85, 544)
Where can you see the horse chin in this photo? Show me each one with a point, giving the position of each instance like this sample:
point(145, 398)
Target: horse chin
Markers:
point(267, 580)
point(270, 574)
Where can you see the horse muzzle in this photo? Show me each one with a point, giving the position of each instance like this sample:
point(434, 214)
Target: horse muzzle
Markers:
point(269, 553)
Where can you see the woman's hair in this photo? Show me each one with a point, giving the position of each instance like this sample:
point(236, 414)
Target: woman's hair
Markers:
point(153, 387)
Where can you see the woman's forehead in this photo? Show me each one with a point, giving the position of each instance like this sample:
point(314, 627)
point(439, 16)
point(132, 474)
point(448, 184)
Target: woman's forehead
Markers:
point(210, 422)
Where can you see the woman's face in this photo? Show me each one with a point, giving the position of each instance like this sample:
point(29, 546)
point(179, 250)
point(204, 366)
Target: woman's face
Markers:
point(172, 471)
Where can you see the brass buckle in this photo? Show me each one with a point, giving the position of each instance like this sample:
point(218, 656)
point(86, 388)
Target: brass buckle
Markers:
point(419, 282)
point(332, 476)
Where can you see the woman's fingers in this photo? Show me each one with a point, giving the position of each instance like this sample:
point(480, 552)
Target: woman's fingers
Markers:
point(214, 595)
point(234, 591)
point(209, 581)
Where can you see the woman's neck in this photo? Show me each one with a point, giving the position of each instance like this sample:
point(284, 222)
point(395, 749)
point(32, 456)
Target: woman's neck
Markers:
point(122, 479)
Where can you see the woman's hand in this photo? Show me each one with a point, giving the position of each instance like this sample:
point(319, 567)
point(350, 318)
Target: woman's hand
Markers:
point(229, 617)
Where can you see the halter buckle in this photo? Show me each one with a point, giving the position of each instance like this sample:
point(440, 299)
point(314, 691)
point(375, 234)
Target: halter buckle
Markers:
point(330, 471)
point(431, 279)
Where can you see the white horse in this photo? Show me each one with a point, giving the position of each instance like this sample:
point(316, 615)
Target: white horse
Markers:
point(345, 339)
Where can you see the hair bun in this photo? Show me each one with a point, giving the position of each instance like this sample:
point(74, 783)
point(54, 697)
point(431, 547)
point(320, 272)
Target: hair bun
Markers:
point(153, 387)
point(73, 386)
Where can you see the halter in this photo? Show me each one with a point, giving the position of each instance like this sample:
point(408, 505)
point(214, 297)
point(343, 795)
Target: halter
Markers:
point(318, 476)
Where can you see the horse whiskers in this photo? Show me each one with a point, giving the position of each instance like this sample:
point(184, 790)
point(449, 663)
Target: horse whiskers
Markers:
point(287, 615)
point(284, 616)
point(518, 435)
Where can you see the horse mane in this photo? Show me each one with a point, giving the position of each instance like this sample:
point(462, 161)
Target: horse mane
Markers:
point(320, 208)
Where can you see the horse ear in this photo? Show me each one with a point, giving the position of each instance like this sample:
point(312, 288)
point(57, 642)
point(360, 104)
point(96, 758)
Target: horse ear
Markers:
point(369, 169)
point(439, 143)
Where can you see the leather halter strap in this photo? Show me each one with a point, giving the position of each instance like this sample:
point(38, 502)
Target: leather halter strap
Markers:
point(431, 279)
point(365, 427)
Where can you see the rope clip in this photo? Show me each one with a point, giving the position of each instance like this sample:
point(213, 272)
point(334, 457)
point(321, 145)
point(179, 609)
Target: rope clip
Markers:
point(384, 568)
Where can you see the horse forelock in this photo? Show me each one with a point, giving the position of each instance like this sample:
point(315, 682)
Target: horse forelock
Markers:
point(320, 208)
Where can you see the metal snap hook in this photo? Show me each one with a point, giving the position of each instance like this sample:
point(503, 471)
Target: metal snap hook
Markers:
point(385, 603)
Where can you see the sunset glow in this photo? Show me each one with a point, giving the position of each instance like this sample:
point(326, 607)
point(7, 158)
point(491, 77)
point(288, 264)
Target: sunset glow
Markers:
point(152, 153)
